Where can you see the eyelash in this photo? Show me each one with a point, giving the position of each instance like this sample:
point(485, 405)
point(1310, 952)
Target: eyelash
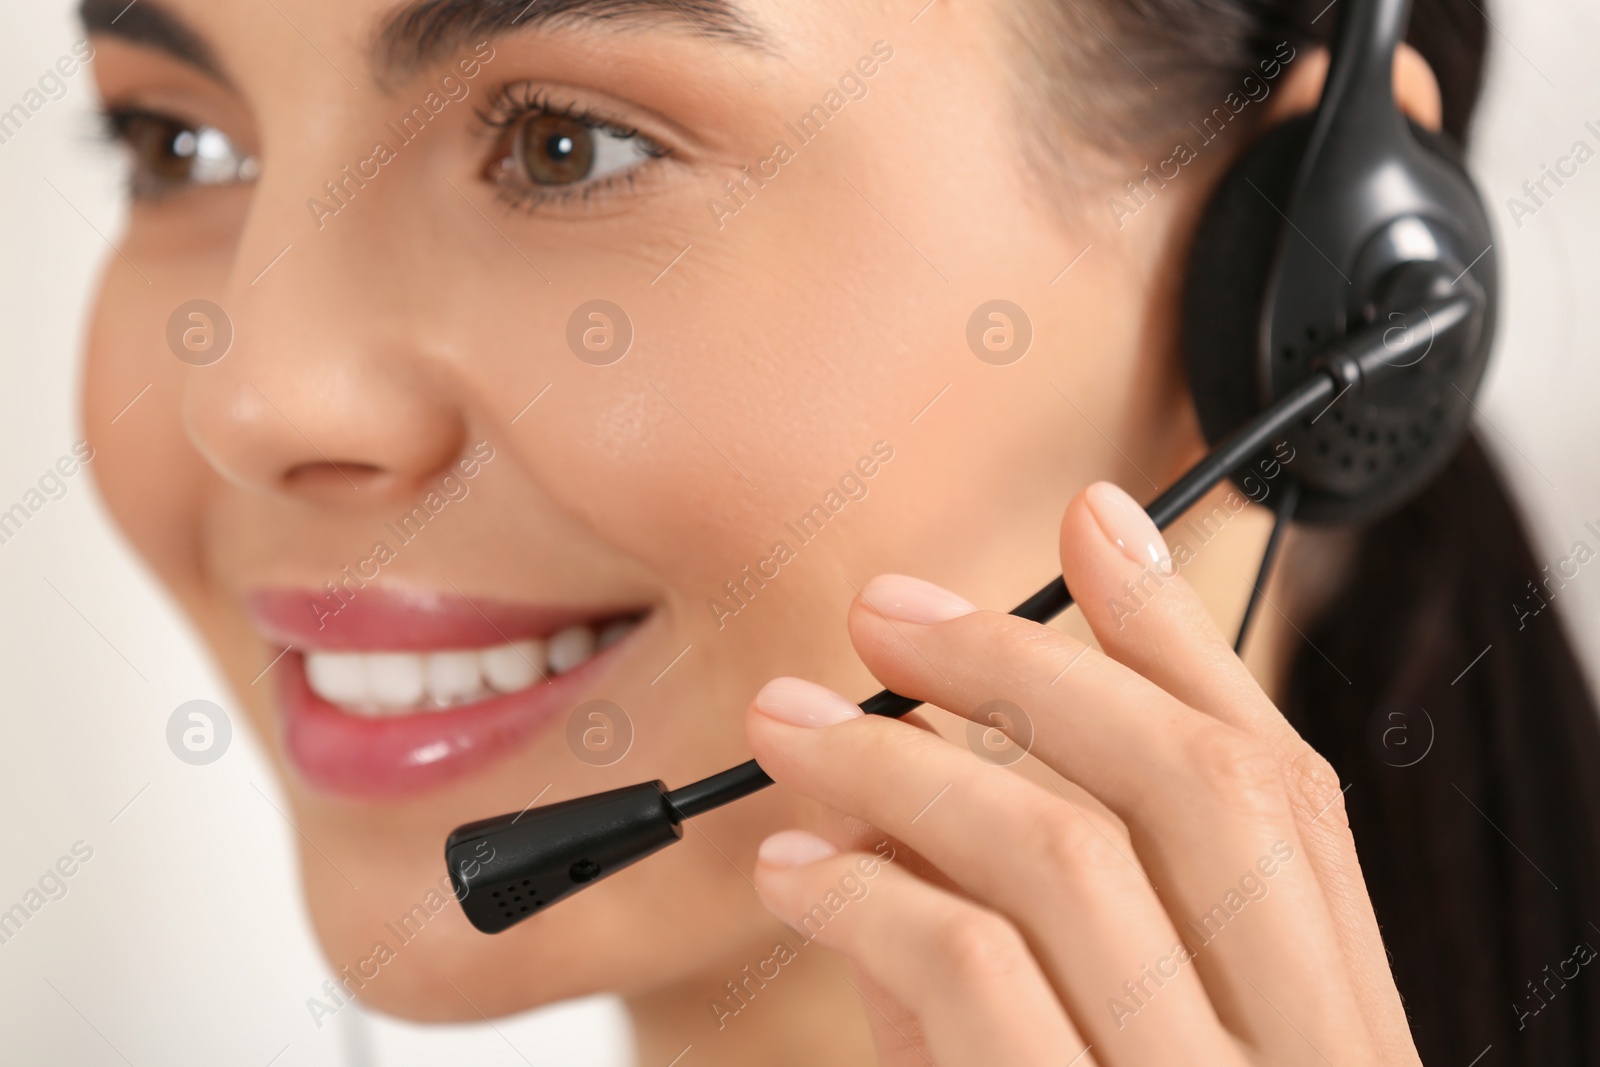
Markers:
point(511, 105)
point(507, 108)
point(208, 149)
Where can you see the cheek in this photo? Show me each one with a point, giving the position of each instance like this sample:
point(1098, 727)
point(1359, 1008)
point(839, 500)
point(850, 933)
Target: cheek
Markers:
point(151, 478)
point(757, 380)
point(735, 410)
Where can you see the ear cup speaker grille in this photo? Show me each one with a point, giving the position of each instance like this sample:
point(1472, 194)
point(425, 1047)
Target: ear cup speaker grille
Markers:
point(1369, 454)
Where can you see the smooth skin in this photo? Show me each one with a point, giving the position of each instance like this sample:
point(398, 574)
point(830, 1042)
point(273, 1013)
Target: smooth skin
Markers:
point(1032, 912)
point(1041, 902)
point(373, 348)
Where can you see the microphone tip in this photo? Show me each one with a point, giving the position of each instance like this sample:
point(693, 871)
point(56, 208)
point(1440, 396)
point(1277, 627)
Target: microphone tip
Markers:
point(511, 867)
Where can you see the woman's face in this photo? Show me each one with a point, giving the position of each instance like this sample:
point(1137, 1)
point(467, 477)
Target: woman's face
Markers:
point(440, 471)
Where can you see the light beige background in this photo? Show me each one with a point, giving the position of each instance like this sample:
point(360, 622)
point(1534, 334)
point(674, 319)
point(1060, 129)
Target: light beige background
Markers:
point(183, 941)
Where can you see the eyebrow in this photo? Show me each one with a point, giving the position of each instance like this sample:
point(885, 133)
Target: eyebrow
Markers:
point(149, 24)
point(426, 31)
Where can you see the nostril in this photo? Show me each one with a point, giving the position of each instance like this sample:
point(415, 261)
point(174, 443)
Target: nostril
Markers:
point(336, 477)
point(343, 428)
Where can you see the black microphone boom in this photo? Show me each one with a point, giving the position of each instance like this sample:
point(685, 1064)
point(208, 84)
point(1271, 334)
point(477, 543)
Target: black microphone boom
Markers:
point(507, 868)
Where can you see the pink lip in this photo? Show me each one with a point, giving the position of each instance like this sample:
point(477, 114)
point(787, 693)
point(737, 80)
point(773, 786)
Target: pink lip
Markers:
point(401, 620)
point(403, 755)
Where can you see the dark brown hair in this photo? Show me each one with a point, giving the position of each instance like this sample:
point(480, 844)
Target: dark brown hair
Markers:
point(1138, 64)
point(1459, 720)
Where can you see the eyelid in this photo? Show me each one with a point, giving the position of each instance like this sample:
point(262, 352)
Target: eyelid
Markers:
point(511, 104)
point(216, 158)
point(599, 107)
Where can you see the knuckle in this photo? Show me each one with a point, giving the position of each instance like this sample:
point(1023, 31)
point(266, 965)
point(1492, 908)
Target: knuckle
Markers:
point(1016, 648)
point(1009, 639)
point(1313, 787)
point(1238, 766)
point(1069, 844)
point(979, 945)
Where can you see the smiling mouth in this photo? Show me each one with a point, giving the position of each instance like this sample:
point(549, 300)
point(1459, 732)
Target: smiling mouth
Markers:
point(382, 684)
point(404, 691)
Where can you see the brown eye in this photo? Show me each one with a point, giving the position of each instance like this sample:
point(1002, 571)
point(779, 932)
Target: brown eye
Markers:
point(555, 150)
point(551, 153)
point(169, 154)
point(156, 152)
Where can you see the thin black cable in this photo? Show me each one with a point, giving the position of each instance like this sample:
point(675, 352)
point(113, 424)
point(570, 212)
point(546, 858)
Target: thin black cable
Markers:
point(1316, 392)
point(1282, 516)
point(1361, 359)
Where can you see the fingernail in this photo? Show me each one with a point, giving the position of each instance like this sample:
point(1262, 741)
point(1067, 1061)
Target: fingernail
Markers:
point(1126, 524)
point(801, 703)
point(794, 848)
point(896, 596)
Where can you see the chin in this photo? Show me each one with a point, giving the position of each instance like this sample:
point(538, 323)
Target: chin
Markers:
point(401, 945)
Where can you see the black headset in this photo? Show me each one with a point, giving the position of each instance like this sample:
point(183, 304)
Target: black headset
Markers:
point(1341, 297)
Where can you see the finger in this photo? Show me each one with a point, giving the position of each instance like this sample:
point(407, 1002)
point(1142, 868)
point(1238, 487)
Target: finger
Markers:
point(1085, 906)
point(1203, 801)
point(1155, 623)
point(962, 970)
point(896, 1030)
point(1145, 615)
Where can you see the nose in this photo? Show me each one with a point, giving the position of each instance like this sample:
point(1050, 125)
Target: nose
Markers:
point(330, 391)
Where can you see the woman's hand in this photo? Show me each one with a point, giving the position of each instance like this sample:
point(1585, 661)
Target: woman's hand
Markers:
point(1218, 918)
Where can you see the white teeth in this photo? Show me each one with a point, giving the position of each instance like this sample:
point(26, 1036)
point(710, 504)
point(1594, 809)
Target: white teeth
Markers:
point(337, 677)
point(379, 684)
point(394, 679)
point(453, 677)
point(514, 666)
point(570, 647)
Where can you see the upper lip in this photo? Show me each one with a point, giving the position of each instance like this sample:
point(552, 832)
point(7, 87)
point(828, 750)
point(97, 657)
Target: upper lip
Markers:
point(414, 750)
point(407, 620)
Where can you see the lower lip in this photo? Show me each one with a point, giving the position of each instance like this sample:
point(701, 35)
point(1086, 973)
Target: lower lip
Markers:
point(404, 755)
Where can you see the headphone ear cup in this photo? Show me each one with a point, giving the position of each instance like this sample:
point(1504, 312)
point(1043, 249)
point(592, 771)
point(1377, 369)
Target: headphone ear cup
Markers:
point(1230, 260)
point(1383, 446)
point(1447, 149)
